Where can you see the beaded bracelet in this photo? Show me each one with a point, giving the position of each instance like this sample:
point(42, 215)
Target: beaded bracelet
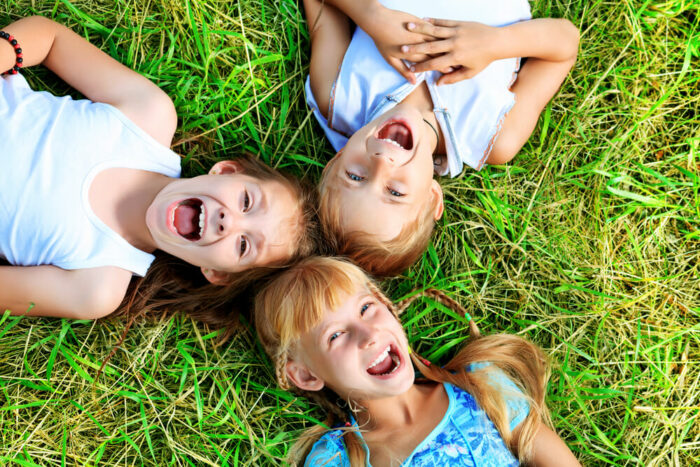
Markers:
point(18, 52)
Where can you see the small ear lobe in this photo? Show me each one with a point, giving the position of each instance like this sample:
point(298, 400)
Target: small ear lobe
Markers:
point(439, 202)
point(216, 277)
point(225, 167)
point(302, 377)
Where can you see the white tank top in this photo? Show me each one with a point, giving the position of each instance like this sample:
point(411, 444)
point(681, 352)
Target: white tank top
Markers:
point(52, 148)
point(470, 112)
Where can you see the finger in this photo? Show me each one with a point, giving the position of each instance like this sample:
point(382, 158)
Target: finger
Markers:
point(439, 63)
point(445, 23)
point(456, 76)
point(399, 66)
point(431, 30)
point(430, 48)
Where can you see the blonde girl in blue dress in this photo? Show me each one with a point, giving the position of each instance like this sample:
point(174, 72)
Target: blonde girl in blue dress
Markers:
point(335, 338)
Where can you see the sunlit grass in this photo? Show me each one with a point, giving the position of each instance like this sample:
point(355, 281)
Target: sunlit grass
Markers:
point(588, 244)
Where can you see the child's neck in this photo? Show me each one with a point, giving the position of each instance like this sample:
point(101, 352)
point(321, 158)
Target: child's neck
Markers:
point(393, 427)
point(120, 198)
point(399, 412)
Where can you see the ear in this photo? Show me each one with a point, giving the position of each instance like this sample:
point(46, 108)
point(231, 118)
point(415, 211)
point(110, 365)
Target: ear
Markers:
point(216, 277)
point(438, 199)
point(225, 167)
point(302, 377)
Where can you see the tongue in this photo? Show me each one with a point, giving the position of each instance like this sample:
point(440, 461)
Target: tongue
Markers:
point(382, 367)
point(186, 219)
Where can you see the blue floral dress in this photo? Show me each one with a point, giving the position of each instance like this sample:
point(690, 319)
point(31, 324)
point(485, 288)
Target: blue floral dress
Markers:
point(465, 436)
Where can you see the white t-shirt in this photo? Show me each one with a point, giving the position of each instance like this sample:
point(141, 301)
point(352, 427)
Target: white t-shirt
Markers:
point(52, 148)
point(470, 112)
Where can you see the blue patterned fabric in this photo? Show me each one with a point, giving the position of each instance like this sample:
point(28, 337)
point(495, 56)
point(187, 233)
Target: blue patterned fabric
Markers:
point(465, 436)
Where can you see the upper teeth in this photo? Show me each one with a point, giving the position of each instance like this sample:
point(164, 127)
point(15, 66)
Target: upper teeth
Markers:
point(380, 358)
point(201, 221)
point(387, 140)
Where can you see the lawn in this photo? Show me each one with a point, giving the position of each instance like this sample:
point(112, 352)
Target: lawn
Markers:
point(588, 244)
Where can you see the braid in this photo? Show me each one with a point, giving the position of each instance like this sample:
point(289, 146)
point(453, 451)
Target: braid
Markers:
point(280, 370)
point(442, 298)
point(383, 298)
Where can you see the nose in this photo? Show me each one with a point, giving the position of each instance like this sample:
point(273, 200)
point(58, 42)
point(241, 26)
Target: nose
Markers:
point(384, 156)
point(223, 221)
point(366, 336)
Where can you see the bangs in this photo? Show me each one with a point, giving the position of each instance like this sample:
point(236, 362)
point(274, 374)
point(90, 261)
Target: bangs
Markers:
point(315, 287)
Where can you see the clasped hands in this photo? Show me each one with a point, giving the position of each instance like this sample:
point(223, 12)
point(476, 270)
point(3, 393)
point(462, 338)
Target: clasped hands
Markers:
point(458, 49)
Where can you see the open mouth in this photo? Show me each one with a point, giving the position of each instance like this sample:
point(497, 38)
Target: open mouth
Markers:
point(397, 133)
point(386, 363)
point(188, 219)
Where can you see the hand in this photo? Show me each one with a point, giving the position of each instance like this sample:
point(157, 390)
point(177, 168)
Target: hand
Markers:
point(390, 30)
point(461, 49)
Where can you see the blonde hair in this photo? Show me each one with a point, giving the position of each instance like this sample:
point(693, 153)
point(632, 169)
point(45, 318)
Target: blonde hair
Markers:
point(295, 301)
point(380, 258)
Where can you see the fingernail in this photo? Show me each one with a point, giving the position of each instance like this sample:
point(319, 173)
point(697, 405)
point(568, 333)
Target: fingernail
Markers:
point(413, 68)
point(411, 25)
point(450, 69)
point(404, 48)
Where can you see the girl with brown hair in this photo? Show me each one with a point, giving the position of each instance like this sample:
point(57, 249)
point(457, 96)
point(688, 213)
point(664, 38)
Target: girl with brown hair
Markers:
point(335, 338)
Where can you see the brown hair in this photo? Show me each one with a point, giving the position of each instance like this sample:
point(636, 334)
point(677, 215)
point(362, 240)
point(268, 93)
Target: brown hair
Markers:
point(380, 258)
point(174, 285)
point(295, 301)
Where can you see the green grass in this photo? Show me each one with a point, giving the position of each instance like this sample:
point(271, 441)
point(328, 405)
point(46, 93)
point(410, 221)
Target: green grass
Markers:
point(588, 244)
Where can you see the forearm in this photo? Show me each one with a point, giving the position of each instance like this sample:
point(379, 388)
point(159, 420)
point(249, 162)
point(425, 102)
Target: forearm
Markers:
point(360, 12)
point(52, 291)
point(549, 39)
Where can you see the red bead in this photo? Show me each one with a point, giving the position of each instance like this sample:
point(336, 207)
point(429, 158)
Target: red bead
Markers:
point(19, 55)
point(13, 72)
point(16, 46)
point(18, 65)
point(10, 37)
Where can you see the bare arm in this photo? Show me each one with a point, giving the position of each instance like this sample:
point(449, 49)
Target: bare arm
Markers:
point(550, 45)
point(330, 34)
point(52, 291)
point(388, 30)
point(93, 73)
point(550, 450)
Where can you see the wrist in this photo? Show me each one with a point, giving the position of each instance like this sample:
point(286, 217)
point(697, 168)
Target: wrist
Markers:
point(502, 38)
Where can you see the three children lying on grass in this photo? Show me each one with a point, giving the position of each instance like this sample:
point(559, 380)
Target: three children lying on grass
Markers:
point(94, 191)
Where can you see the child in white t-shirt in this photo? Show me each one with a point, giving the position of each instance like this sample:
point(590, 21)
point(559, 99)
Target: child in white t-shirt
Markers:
point(402, 98)
point(89, 190)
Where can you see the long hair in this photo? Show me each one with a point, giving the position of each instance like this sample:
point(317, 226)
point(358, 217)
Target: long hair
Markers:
point(381, 258)
point(174, 285)
point(293, 302)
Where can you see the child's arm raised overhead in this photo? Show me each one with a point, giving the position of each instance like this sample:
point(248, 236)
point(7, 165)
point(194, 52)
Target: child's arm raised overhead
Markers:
point(550, 45)
point(330, 33)
point(82, 293)
point(92, 72)
point(387, 28)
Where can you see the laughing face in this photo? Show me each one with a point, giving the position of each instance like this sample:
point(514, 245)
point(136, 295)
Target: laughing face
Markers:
point(359, 350)
point(384, 174)
point(225, 222)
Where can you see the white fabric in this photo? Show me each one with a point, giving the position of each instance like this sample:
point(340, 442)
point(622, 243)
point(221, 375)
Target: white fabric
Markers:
point(469, 112)
point(52, 148)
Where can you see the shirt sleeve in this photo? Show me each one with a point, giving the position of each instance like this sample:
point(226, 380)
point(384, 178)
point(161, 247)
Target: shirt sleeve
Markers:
point(329, 450)
point(336, 139)
point(516, 402)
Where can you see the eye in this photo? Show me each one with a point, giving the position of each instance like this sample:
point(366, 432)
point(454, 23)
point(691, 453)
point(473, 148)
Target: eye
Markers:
point(364, 308)
point(354, 177)
point(334, 336)
point(244, 246)
point(246, 201)
point(393, 192)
